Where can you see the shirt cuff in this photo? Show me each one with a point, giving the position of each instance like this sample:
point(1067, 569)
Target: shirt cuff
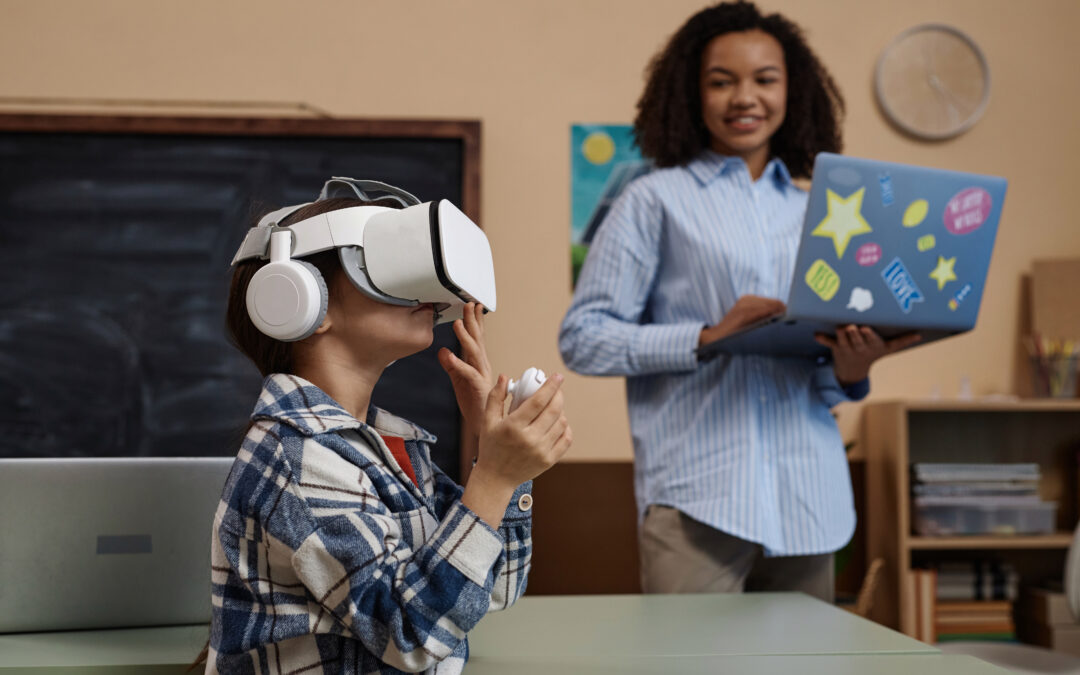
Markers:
point(832, 392)
point(857, 391)
point(666, 348)
point(519, 510)
point(468, 543)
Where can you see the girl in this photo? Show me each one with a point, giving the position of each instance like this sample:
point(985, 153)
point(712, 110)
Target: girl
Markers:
point(338, 546)
point(740, 473)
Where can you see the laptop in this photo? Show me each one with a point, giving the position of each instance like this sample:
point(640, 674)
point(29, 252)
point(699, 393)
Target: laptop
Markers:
point(895, 247)
point(106, 542)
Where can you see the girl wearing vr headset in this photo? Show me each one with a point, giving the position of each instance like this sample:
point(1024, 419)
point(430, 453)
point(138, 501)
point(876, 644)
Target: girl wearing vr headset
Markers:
point(741, 477)
point(338, 546)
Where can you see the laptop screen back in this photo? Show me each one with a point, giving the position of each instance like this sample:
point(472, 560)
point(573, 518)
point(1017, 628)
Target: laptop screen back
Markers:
point(895, 246)
point(106, 542)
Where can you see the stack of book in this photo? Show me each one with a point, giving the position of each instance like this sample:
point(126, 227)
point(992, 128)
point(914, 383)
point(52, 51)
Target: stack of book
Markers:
point(963, 601)
point(957, 499)
point(974, 620)
point(977, 580)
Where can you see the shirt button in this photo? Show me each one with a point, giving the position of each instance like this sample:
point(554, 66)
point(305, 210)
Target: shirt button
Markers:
point(525, 503)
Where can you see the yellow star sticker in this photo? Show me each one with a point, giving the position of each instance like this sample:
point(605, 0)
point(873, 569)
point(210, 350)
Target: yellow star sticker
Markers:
point(843, 221)
point(944, 273)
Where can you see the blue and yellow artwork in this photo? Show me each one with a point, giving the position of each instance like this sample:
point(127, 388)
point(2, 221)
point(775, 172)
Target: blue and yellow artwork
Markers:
point(603, 160)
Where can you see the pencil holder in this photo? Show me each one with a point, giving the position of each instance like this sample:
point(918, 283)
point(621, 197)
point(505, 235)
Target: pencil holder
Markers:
point(1054, 376)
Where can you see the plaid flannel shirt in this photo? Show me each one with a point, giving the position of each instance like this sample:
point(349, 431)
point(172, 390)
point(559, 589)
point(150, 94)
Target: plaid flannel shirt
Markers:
point(327, 558)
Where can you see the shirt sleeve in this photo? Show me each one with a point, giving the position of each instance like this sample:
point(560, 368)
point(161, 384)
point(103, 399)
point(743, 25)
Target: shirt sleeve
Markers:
point(604, 331)
point(409, 606)
point(512, 569)
point(832, 392)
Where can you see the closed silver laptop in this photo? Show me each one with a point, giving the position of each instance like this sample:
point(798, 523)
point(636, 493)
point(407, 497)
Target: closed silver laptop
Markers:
point(106, 542)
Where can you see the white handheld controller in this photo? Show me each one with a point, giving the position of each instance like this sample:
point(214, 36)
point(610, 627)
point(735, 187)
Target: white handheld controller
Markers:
point(521, 389)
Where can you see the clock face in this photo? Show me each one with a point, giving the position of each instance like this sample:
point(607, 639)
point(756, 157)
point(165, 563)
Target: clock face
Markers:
point(932, 82)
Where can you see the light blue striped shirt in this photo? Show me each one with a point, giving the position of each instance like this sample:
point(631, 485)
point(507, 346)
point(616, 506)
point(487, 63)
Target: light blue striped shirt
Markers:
point(745, 444)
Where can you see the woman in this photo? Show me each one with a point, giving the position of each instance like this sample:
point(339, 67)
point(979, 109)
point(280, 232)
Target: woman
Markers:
point(740, 472)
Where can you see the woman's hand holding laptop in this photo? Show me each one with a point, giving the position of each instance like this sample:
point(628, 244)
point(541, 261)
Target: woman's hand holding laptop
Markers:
point(748, 310)
point(855, 348)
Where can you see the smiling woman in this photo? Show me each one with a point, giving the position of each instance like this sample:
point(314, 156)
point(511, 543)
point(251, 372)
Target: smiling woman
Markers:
point(741, 478)
point(743, 95)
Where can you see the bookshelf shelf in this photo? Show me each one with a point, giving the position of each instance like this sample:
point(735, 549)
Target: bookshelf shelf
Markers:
point(1056, 540)
point(896, 434)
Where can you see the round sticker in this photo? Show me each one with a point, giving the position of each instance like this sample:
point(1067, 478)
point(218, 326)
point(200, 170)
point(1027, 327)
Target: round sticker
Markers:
point(868, 254)
point(967, 211)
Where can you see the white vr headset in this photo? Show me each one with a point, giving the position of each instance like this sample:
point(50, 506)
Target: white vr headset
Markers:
point(422, 253)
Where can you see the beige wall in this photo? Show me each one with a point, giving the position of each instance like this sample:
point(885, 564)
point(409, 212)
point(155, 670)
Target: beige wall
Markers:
point(528, 70)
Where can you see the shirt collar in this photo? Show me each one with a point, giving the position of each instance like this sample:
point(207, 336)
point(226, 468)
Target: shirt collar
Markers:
point(294, 401)
point(709, 165)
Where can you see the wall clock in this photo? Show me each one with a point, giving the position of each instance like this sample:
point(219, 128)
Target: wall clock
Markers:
point(932, 82)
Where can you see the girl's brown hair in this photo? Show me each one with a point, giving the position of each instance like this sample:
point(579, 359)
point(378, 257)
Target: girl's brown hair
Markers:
point(270, 355)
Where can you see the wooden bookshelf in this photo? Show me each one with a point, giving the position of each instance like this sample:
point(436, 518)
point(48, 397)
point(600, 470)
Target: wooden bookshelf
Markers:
point(971, 543)
point(897, 433)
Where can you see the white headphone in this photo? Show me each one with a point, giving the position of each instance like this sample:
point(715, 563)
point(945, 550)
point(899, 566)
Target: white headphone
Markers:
point(286, 298)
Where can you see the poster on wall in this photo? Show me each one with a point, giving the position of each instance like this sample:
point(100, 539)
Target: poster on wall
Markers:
point(603, 161)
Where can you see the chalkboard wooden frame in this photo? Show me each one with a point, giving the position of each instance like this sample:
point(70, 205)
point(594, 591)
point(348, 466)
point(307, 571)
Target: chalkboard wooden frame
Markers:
point(467, 132)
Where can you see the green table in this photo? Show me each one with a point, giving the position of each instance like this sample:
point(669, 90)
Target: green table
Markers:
point(822, 664)
point(153, 651)
point(751, 633)
point(725, 624)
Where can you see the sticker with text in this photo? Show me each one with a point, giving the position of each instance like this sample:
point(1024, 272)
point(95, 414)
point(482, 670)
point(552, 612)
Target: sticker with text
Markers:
point(926, 242)
point(885, 181)
point(955, 301)
point(902, 285)
point(868, 254)
point(916, 212)
point(823, 280)
point(861, 299)
point(967, 211)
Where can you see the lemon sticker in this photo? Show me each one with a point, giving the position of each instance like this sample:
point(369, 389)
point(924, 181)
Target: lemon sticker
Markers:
point(927, 242)
point(916, 212)
point(598, 147)
point(823, 280)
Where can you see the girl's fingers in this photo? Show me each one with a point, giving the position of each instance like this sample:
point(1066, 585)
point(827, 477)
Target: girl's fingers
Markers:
point(496, 402)
point(468, 342)
point(555, 432)
point(550, 415)
point(468, 318)
point(563, 444)
point(538, 402)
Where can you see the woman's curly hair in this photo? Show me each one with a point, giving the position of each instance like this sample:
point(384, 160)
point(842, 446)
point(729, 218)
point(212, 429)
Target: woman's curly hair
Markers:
point(669, 127)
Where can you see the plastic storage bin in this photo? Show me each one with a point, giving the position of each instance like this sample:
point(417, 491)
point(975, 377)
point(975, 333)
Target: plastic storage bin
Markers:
point(940, 517)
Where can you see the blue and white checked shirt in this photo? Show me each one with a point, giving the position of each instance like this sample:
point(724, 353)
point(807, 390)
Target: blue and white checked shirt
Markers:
point(327, 558)
point(744, 444)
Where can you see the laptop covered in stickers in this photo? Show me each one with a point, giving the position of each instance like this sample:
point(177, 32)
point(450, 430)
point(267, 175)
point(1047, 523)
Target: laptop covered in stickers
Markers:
point(895, 247)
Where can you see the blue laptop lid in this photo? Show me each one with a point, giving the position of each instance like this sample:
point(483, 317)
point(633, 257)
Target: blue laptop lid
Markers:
point(888, 244)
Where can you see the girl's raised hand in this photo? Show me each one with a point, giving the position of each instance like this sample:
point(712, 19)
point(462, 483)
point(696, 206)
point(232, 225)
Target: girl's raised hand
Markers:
point(470, 374)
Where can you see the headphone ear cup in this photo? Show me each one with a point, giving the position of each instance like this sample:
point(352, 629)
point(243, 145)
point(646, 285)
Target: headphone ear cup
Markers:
point(323, 298)
point(286, 300)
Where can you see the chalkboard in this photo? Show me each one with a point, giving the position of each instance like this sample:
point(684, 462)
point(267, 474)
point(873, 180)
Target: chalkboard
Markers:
point(116, 235)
